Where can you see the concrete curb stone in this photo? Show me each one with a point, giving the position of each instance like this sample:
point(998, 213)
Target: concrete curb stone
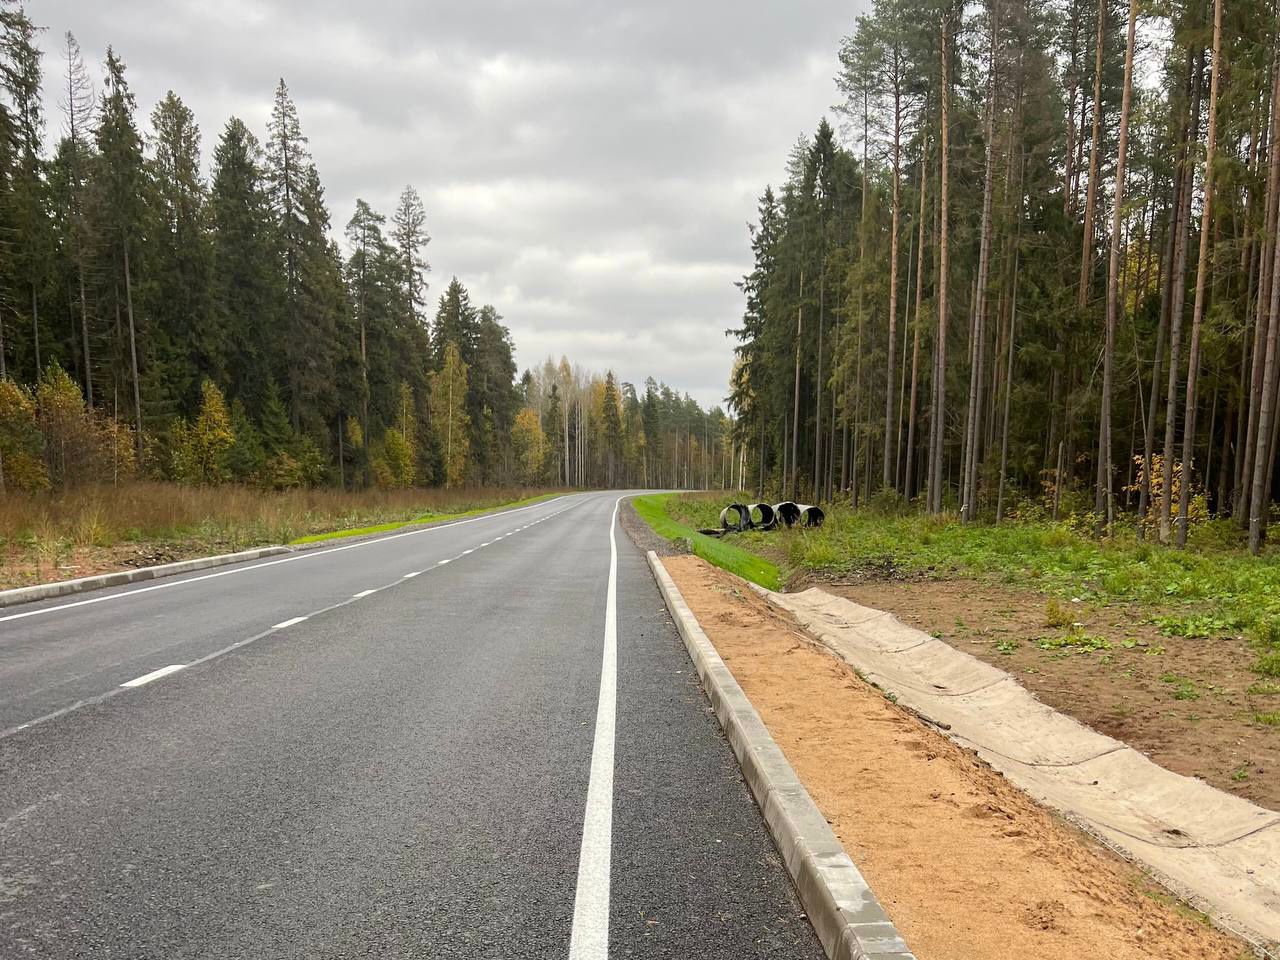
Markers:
point(63, 588)
point(844, 911)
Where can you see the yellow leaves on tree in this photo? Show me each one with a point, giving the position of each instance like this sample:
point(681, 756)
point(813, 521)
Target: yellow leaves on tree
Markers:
point(79, 444)
point(395, 463)
point(20, 440)
point(1198, 510)
point(449, 420)
point(200, 450)
point(529, 445)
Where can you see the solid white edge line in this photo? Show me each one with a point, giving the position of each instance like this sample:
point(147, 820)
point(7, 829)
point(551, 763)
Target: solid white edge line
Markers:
point(305, 555)
point(154, 675)
point(363, 593)
point(288, 623)
point(589, 938)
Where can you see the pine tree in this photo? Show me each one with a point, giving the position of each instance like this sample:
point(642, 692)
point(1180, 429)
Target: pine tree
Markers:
point(365, 240)
point(409, 234)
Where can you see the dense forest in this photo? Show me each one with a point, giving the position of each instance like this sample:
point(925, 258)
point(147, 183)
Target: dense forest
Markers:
point(164, 320)
point(1033, 267)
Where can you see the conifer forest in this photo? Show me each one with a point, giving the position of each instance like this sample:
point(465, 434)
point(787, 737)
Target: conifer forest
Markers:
point(174, 316)
point(1030, 266)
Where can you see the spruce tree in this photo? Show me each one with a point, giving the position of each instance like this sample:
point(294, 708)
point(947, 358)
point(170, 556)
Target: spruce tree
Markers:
point(185, 340)
point(120, 193)
point(246, 291)
point(457, 322)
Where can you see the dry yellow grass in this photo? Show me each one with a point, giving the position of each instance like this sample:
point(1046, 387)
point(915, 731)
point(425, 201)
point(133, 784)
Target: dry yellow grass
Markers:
point(93, 528)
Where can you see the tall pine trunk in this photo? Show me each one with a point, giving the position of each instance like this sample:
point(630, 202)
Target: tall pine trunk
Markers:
point(1202, 279)
point(969, 491)
point(938, 413)
point(1177, 299)
point(133, 351)
point(1091, 197)
point(1102, 504)
point(890, 454)
point(795, 415)
point(1262, 316)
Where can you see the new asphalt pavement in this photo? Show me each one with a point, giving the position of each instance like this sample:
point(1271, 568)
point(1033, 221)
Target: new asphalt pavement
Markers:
point(477, 740)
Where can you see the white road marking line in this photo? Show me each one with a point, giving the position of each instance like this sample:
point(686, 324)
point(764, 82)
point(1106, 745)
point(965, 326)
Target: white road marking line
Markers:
point(363, 593)
point(410, 576)
point(154, 675)
point(441, 563)
point(288, 623)
point(305, 555)
point(486, 543)
point(63, 711)
point(465, 552)
point(589, 939)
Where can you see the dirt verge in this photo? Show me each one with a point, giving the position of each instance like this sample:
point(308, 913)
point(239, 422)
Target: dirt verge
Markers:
point(1191, 704)
point(968, 867)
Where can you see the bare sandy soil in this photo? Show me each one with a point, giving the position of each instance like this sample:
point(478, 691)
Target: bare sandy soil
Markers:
point(968, 866)
point(1191, 704)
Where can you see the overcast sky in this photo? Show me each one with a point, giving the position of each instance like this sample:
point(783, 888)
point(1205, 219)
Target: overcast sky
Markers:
point(587, 167)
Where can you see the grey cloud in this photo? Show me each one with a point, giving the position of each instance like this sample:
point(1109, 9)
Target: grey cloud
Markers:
point(589, 168)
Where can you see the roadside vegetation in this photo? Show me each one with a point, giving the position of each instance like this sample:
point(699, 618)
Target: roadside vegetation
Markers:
point(666, 513)
point(93, 528)
point(1176, 652)
point(157, 323)
point(1214, 589)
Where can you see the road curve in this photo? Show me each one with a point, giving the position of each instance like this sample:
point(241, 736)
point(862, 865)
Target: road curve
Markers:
point(430, 744)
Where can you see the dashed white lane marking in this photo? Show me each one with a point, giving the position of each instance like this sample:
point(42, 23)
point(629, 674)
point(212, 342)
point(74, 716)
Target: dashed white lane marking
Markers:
point(174, 668)
point(305, 555)
point(589, 939)
point(465, 552)
point(486, 543)
point(363, 593)
point(154, 675)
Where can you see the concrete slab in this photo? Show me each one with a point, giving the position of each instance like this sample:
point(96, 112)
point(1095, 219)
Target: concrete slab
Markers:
point(1219, 851)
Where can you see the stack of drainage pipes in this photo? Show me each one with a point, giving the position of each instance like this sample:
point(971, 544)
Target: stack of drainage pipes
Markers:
point(737, 517)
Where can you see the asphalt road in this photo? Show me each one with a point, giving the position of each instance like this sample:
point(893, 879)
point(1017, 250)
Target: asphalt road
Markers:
point(471, 746)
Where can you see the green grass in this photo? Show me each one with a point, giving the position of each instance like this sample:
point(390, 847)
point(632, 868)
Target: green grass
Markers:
point(424, 518)
point(653, 510)
point(1183, 687)
point(1076, 640)
point(1212, 589)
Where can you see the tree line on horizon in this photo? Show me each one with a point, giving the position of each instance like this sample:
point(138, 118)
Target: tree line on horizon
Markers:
point(1027, 279)
point(158, 323)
